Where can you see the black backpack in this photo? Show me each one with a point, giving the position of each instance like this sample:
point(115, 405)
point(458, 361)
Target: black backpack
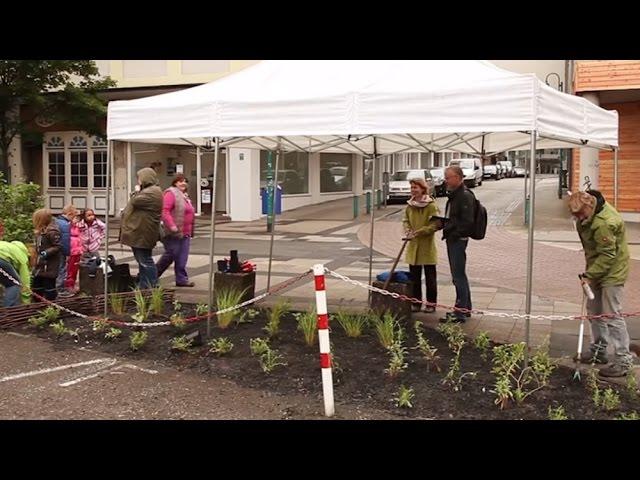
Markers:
point(479, 228)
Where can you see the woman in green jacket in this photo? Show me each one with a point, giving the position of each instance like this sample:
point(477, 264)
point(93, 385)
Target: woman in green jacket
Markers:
point(14, 261)
point(421, 249)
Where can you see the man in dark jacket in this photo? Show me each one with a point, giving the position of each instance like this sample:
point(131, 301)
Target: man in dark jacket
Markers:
point(456, 231)
point(140, 227)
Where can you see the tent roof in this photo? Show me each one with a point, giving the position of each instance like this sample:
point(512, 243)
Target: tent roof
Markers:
point(441, 105)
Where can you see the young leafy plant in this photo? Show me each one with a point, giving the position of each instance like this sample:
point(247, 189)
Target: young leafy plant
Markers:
point(220, 346)
point(632, 384)
point(38, 321)
point(201, 309)
point(629, 416)
point(308, 325)
point(51, 314)
point(610, 399)
point(353, 324)
point(404, 398)
point(117, 303)
point(113, 333)
point(181, 343)
point(428, 351)
point(177, 321)
point(247, 316)
point(142, 308)
point(100, 325)
point(269, 360)
point(137, 340)
point(157, 300)
point(385, 328)
point(513, 381)
point(177, 306)
point(58, 328)
point(225, 299)
point(482, 342)
point(397, 362)
point(258, 346)
point(557, 413)
point(275, 316)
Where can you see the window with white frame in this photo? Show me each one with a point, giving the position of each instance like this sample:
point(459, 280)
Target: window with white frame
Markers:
point(79, 162)
point(99, 151)
point(55, 154)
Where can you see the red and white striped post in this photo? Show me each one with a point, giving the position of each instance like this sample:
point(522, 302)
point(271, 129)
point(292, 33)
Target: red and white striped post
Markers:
point(323, 339)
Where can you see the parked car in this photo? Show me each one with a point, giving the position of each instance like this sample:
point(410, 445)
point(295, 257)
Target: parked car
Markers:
point(439, 187)
point(472, 169)
point(519, 171)
point(399, 186)
point(508, 167)
point(492, 171)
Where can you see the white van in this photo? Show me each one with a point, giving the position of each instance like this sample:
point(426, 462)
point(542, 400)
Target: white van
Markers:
point(472, 169)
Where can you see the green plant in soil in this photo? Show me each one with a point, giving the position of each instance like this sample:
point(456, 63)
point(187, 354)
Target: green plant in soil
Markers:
point(258, 346)
point(181, 343)
point(142, 309)
point(513, 381)
point(385, 328)
point(117, 303)
point(269, 360)
point(404, 398)
point(428, 351)
point(454, 335)
point(58, 328)
point(352, 324)
point(629, 416)
point(177, 321)
point(247, 316)
point(100, 325)
point(593, 386)
point(137, 340)
point(482, 342)
point(228, 298)
point(51, 314)
point(157, 300)
point(610, 399)
point(113, 333)
point(397, 353)
point(308, 325)
point(220, 346)
point(38, 321)
point(177, 306)
point(75, 334)
point(557, 413)
point(201, 309)
point(335, 363)
point(275, 315)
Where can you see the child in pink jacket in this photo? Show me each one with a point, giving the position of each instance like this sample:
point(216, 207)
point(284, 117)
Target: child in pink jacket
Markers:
point(74, 256)
point(92, 232)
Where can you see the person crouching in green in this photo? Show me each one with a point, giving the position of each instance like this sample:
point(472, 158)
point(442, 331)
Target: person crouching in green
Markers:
point(14, 261)
point(604, 240)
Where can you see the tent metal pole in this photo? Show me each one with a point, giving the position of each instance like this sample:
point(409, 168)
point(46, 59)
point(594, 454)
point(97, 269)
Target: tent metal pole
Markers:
point(274, 192)
point(532, 187)
point(212, 242)
point(373, 191)
point(615, 178)
point(106, 223)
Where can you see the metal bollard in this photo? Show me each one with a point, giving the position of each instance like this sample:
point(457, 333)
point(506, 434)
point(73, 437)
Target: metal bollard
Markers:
point(368, 202)
point(526, 211)
point(378, 199)
point(356, 206)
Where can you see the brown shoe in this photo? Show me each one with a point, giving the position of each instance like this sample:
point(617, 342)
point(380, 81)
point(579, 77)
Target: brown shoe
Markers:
point(188, 284)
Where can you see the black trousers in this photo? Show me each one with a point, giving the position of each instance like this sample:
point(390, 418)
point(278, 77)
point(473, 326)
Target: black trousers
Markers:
point(430, 280)
point(45, 287)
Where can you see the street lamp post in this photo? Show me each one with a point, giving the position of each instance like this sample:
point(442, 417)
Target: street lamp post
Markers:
point(561, 150)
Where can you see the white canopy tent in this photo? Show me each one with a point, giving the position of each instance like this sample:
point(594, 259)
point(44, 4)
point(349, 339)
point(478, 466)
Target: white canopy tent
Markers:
point(371, 108)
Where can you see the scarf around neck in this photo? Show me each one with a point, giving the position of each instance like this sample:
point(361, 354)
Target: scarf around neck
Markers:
point(420, 202)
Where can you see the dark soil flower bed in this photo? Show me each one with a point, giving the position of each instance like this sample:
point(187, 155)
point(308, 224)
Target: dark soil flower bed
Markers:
point(360, 379)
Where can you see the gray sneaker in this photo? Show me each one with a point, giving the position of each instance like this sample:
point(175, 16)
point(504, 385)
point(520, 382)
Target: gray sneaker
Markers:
point(614, 371)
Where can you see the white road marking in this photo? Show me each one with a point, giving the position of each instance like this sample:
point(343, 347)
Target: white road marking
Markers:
point(102, 370)
point(110, 371)
point(53, 369)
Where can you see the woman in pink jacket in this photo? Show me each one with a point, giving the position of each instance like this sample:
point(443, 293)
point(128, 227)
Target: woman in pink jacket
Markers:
point(178, 216)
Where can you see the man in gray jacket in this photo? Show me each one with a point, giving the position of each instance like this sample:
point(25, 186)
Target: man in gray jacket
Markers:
point(140, 227)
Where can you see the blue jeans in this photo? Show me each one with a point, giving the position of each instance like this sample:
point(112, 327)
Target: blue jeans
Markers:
point(11, 290)
point(62, 273)
point(457, 252)
point(147, 267)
